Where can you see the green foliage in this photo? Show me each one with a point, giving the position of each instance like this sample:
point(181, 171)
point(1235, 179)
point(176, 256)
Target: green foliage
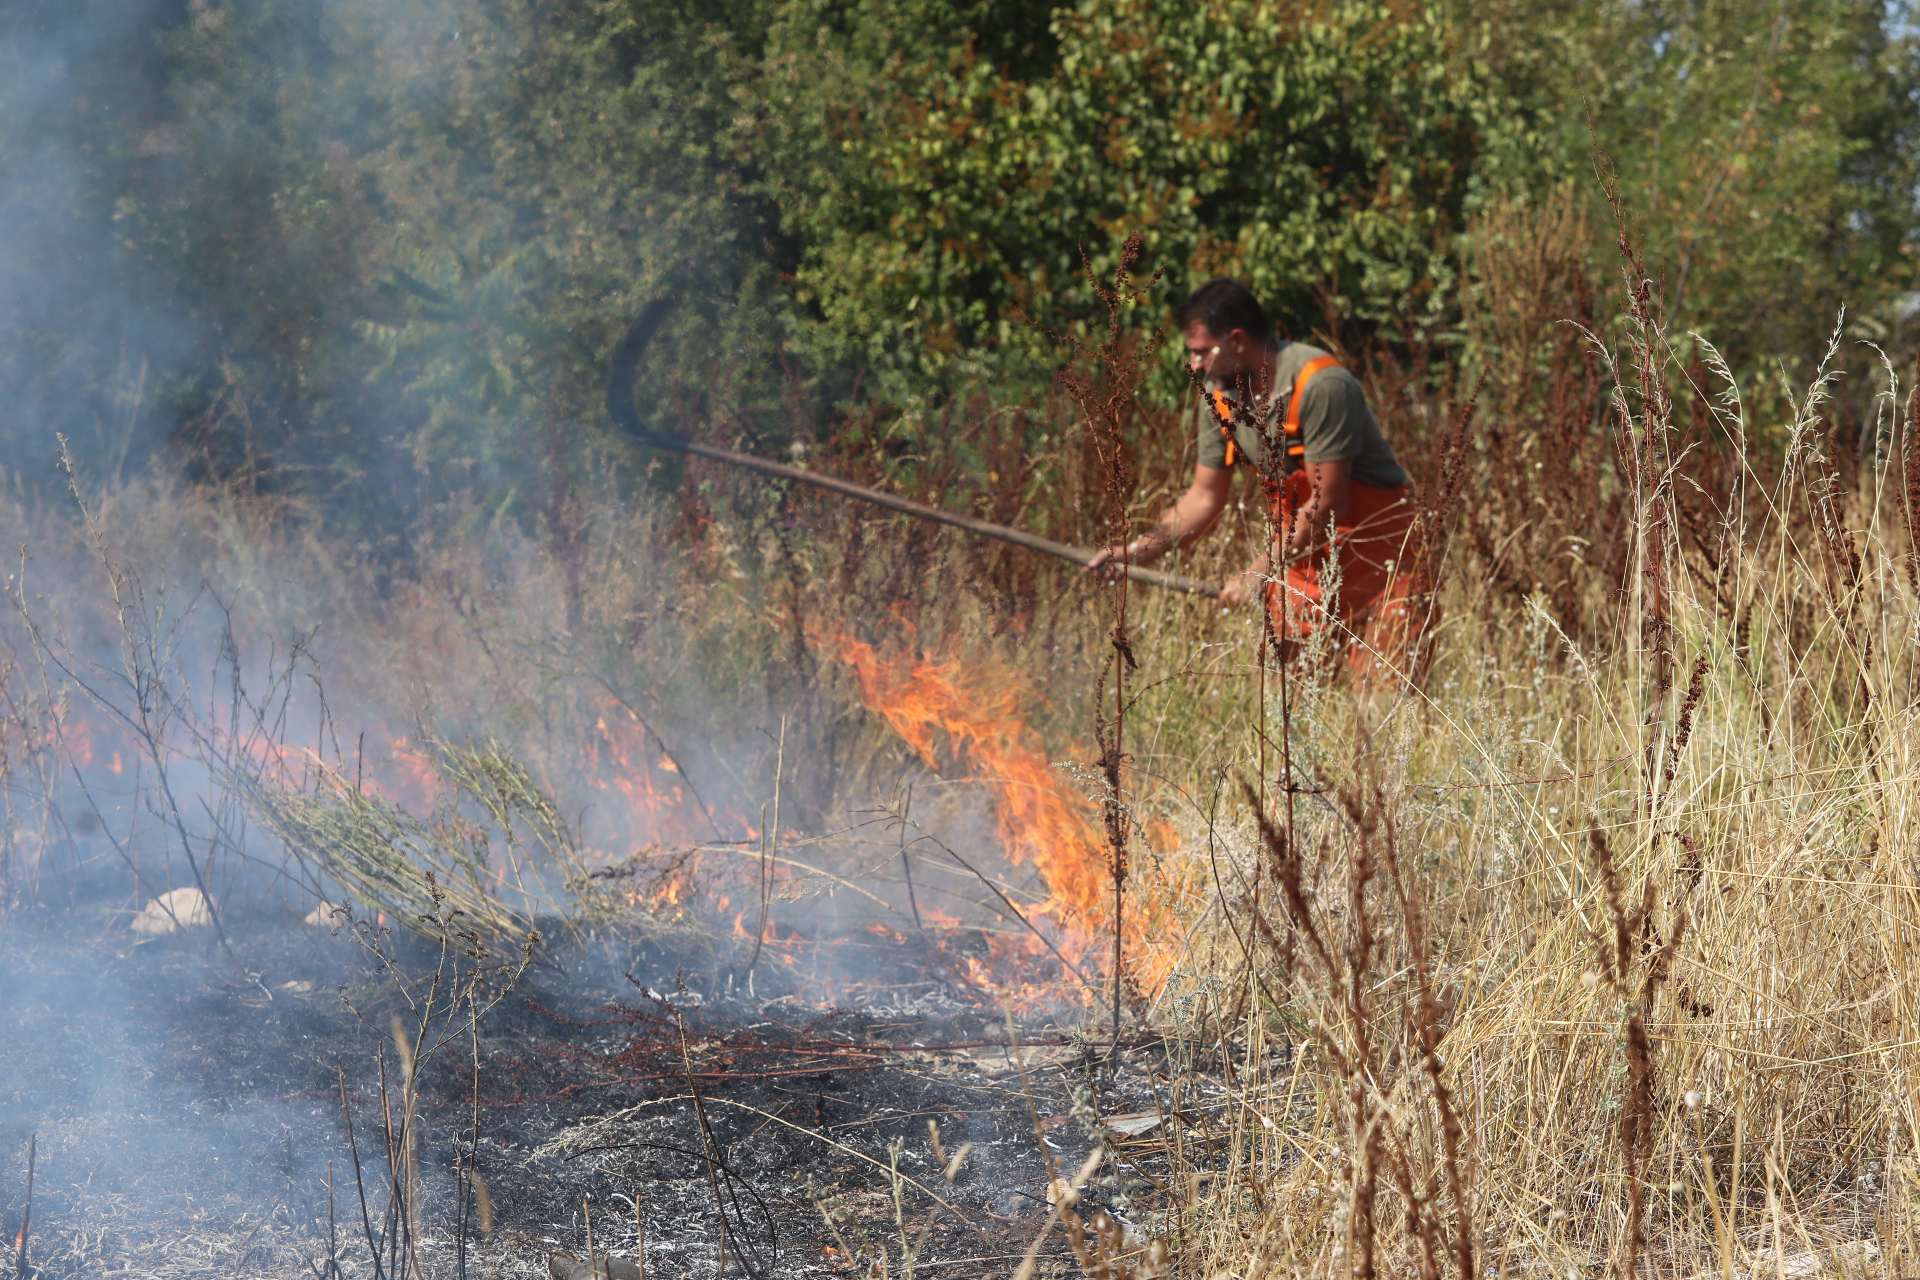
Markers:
point(1766, 153)
point(381, 252)
point(512, 185)
point(84, 329)
point(1328, 153)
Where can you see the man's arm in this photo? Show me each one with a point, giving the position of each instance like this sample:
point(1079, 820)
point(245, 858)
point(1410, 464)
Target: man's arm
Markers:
point(1332, 500)
point(1200, 506)
point(1191, 517)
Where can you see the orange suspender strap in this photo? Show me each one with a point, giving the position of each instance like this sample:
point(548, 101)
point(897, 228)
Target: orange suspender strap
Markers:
point(1300, 380)
point(1295, 448)
point(1225, 412)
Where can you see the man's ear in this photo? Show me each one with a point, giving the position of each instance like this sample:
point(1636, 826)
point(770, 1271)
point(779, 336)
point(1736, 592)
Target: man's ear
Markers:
point(1238, 340)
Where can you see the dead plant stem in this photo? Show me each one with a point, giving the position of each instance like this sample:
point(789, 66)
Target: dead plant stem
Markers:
point(26, 1212)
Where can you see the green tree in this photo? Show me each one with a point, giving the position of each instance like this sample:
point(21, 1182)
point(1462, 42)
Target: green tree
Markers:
point(396, 243)
point(1328, 153)
point(1766, 153)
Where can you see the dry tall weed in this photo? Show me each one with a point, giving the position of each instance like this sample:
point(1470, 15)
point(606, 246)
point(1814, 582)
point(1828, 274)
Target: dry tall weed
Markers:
point(1598, 954)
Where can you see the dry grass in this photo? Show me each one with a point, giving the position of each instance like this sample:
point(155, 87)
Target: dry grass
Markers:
point(1597, 952)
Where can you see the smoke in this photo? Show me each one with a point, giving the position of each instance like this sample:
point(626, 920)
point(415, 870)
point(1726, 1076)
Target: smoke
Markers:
point(86, 332)
point(149, 1112)
point(319, 306)
point(350, 560)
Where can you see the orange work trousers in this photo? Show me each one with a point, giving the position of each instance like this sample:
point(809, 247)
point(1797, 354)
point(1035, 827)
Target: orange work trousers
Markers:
point(1384, 607)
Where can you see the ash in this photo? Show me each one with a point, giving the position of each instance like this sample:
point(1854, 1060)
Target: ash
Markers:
point(187, 1098)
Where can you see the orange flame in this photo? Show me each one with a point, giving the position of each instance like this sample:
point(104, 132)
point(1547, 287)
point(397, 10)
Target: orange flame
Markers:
point(417, 770)
point(1039, 816)
point(78, 739)
point(947, 709)
point(621, 755)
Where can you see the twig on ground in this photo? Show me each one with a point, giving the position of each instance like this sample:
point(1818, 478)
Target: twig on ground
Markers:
point(353, 1146)
point(586, 1213)
point(26, 1213)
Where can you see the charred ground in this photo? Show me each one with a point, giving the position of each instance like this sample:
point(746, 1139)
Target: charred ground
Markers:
point(187, 1097)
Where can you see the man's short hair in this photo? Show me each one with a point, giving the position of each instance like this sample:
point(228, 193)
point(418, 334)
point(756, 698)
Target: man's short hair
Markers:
point(1223, 305)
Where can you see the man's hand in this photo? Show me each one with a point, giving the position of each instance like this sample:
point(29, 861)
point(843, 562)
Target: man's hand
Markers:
point(1109, 563)
point(1244, 586)
point(1191, 517)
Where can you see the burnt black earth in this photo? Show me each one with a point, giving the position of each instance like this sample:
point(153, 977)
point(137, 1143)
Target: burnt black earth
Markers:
point(183, 1098)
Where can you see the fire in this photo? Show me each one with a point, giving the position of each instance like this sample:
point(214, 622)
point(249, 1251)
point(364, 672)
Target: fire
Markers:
point(78, 739)
point(665, 852)
point(418, 777)
point(621, 755)
point(1039, 817)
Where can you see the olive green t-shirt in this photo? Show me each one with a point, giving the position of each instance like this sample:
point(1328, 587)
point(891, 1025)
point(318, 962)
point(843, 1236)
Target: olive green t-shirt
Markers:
point(1335, 422)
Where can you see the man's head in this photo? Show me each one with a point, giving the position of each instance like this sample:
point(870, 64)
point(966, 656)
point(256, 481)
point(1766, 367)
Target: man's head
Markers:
point(1226, 330)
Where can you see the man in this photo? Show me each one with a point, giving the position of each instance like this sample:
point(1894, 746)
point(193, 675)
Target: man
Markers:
point(1338, 474)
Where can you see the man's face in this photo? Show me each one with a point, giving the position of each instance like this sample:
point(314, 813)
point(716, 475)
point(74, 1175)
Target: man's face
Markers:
point(1223, 359)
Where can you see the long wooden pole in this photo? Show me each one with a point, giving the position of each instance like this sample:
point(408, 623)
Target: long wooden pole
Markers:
point(621, 409)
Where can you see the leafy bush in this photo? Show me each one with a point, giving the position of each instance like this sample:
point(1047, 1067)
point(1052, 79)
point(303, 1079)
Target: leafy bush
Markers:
point(1328, 154)
point(381, 252)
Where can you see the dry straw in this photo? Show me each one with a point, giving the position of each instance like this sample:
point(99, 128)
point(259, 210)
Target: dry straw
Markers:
point(1600, 958)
